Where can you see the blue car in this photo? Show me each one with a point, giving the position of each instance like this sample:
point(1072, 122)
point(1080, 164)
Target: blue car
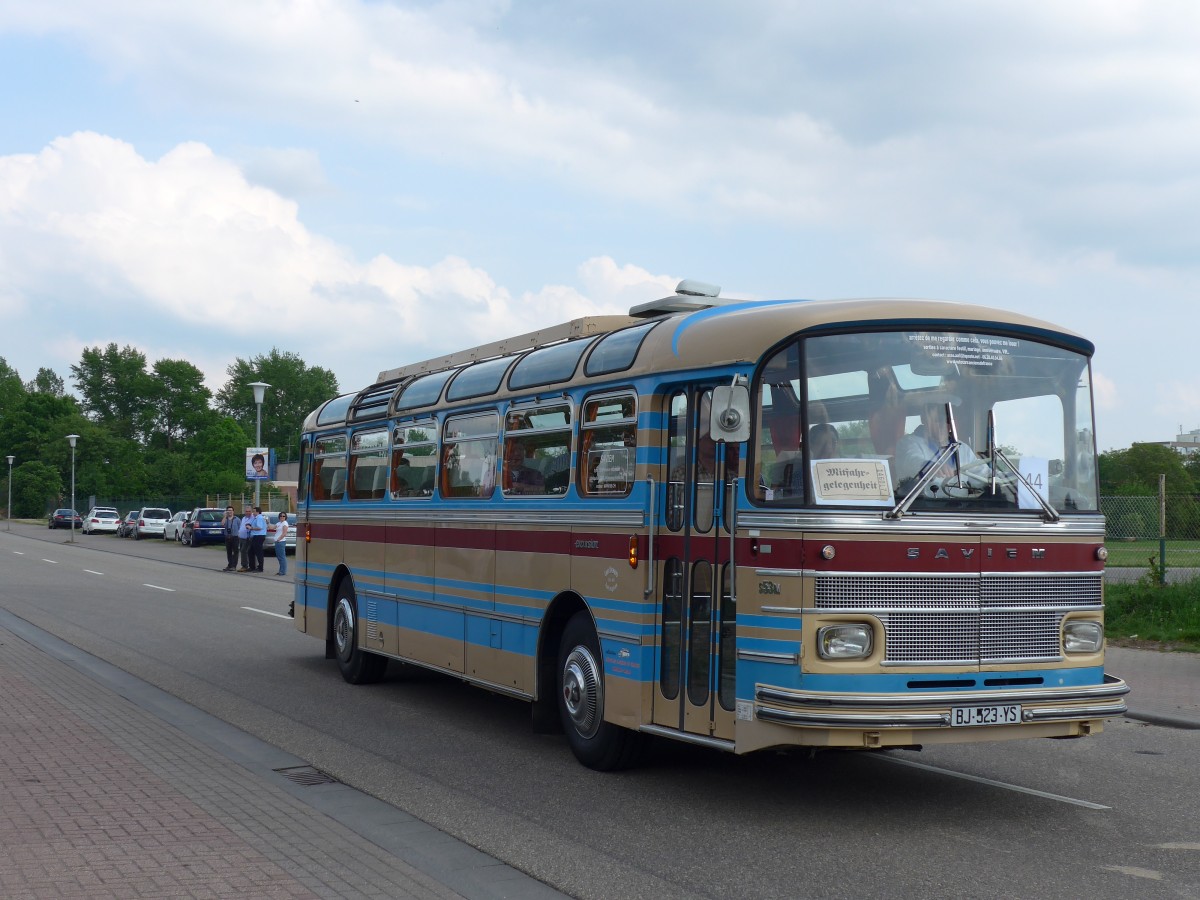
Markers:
point(203, 526)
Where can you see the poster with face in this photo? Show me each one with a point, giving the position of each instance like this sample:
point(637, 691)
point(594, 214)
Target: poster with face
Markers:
point(260, 464)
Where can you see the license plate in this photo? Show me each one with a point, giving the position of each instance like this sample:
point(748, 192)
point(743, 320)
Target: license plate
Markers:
point(1009, 714)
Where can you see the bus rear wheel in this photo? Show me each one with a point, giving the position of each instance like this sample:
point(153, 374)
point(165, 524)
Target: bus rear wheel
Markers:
point(597, 744)
point(356, 665)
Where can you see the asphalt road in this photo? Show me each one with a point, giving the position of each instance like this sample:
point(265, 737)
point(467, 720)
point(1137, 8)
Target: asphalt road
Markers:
point(1113, 815)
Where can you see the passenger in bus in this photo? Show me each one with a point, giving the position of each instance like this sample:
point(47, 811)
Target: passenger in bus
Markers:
point(401, 477)
point(917, 450)
point(823, 441)
point(518, 477)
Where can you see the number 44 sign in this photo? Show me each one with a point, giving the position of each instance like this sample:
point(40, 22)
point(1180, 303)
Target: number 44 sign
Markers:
point(1035, 470)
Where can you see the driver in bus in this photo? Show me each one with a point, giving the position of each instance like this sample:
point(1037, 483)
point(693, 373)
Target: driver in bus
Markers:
point(915, 451)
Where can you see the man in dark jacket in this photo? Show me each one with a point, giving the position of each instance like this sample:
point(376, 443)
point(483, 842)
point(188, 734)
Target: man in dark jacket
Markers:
point(230, 525)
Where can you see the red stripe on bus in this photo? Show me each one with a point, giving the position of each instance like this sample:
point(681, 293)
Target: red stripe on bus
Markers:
point(555, 542)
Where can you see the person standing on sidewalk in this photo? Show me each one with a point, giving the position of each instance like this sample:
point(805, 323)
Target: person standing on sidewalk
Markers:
point(244, 540)
point(258, 536)
point(230, 525)
point(281, 530)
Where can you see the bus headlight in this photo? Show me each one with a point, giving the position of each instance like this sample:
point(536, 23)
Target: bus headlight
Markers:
point(1082, 637)
point(844, 641)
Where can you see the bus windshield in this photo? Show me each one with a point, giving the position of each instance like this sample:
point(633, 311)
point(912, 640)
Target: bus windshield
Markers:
point(947, 420)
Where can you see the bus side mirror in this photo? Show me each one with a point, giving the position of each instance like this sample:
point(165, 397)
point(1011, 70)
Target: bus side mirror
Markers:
point(729, 420)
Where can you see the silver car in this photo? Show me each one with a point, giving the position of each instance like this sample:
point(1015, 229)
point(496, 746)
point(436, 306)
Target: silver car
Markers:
point(173, 530)
point(150, 522)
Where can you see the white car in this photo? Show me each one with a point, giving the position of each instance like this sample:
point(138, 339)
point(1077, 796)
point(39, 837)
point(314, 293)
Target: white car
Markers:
point(101, 519)
point(173, 530)
point(150, 522)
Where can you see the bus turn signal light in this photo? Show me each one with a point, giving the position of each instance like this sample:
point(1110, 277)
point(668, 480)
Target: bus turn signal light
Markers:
point(633, 551)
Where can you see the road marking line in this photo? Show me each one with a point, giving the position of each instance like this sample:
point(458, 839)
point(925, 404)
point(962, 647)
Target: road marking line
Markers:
point(53, 562)
point(19, 552)
point(1000, 784)
point(265, 613)
point(157, 588)
point(1136, 872)
point(93, 572)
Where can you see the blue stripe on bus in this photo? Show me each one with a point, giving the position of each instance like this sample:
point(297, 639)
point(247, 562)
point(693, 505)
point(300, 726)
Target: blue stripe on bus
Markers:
point(888, 683)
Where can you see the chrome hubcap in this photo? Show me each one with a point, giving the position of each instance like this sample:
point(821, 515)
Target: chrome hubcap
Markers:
point(343, 627)
point(582, 691)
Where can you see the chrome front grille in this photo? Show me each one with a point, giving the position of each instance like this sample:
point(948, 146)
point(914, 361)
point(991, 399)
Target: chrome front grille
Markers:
point(964, 619)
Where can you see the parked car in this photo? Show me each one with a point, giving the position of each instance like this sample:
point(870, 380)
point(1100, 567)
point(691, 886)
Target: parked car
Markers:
point(173, 530)
point(127, 524)
point(203, 526)
point(150, 522)
point(289, 542)
point(101, 518)
point(62, 518)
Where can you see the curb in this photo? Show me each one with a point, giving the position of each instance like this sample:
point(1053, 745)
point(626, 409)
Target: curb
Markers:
point(1167, 720)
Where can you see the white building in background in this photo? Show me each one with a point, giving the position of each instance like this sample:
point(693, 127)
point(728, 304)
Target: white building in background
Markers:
point(1186, 443)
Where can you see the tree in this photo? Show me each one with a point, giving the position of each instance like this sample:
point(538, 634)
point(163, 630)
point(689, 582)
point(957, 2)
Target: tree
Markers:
point(217, 454)
point(116, 389)
point(179, 404)
point(1135, 470)
point(37, 488)
point(296, 390)
point(47, 381)
point(12, 391)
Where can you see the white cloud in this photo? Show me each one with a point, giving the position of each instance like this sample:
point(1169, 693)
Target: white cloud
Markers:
point(1035, 115)
point(187, 239)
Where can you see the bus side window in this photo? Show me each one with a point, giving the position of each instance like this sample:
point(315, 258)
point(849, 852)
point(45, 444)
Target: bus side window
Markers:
point(609, 446)
point(368, 465)
point(469, 455)
point(537, 450)
point(414, 459)
point(329, 468)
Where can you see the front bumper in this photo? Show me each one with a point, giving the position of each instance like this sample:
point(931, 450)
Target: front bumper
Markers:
point(932, 710)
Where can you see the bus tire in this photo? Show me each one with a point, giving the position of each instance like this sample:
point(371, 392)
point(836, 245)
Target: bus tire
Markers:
point(597, 744)
point(356, 665)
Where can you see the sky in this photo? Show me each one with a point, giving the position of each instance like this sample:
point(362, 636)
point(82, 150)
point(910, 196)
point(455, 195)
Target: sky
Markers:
point(368, 183)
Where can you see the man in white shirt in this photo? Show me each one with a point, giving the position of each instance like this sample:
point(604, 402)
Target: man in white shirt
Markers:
point(915, 451)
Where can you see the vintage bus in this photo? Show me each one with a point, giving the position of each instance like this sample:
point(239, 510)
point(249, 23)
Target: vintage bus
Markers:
point(851, 523)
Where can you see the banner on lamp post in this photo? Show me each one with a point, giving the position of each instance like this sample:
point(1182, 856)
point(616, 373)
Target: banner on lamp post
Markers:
point(260, 464)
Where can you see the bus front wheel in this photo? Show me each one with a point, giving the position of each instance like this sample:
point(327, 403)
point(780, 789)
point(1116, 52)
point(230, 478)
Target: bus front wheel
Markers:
point(356, 665)
point(597, 744)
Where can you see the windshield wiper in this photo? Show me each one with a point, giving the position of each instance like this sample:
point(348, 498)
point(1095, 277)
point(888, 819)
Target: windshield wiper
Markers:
point(931, 468)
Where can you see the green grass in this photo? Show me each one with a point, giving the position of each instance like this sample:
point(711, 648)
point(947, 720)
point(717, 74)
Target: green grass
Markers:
point(1145, 611)
point(1135, 553)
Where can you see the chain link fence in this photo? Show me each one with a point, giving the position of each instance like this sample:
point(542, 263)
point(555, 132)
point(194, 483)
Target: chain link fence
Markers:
point(1155, 532)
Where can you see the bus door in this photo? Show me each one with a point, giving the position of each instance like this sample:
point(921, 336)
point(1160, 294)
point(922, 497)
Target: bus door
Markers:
point(302, 510)
point(694, 688)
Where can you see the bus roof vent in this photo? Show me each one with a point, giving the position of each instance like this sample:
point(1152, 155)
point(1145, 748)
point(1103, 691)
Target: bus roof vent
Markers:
point(689, 296)
point(373, 402)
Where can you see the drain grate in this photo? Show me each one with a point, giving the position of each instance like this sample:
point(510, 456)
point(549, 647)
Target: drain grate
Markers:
point(307, 775)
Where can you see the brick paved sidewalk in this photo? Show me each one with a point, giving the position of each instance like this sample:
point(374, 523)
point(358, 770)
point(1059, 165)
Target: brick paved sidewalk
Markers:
point(101, 798)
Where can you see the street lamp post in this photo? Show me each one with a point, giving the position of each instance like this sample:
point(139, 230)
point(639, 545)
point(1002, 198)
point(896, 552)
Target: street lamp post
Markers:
point(8, 521)
point(72, 438)
point(259, 388)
